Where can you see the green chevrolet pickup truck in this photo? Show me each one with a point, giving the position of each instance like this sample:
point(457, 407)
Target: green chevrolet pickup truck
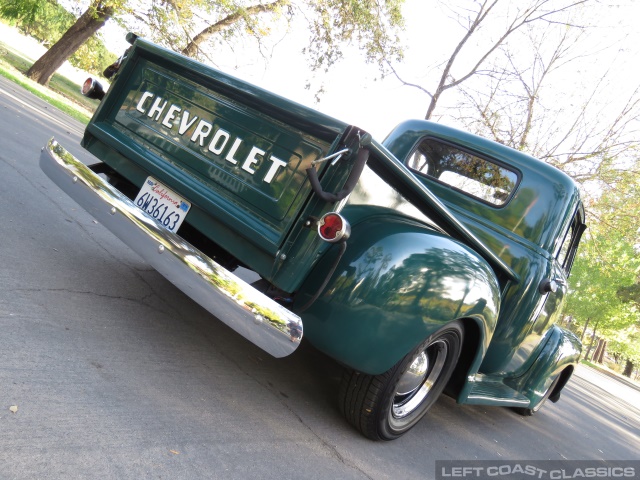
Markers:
point(435, 261)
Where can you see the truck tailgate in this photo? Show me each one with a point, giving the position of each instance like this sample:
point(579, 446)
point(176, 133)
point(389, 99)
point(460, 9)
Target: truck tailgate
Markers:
point(236, 152)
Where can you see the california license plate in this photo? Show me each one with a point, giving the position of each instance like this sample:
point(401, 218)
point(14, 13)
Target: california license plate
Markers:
point(163, 204)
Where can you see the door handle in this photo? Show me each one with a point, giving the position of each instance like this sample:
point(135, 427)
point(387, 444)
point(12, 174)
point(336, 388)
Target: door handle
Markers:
point(549, 285)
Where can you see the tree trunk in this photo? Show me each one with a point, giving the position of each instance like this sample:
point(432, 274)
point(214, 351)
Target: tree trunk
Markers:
point(603, 349)
point(194, 45)
point(585, 330)
point(89, 23)
point(628, 368)
point(593, 338)
point(598, 354)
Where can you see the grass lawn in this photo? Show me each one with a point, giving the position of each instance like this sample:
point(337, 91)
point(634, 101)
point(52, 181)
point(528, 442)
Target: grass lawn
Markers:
point(62, 92)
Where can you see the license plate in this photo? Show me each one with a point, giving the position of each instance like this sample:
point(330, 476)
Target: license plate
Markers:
point(163, 204)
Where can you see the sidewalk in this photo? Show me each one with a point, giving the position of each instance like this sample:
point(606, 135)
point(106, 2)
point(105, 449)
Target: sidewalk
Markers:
point(622, 379)
point(610, 383)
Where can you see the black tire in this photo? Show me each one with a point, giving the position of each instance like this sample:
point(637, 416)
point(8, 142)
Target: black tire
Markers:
point(386, 406)
point(527, 412)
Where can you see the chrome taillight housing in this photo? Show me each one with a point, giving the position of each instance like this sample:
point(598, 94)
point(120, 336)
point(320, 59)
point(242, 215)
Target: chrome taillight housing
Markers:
point(333, 228)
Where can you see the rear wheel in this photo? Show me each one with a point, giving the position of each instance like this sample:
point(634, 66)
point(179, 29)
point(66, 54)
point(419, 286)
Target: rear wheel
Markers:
point(385, 406)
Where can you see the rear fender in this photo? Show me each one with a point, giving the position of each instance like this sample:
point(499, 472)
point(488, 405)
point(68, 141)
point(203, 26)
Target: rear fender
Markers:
point(397, 283)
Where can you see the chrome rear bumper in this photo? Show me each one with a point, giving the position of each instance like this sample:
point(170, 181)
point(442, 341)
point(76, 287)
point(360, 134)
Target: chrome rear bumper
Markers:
point(249, 312)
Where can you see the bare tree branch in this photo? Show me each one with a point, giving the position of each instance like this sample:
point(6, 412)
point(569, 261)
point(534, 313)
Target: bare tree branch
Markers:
point(534, 13)
point(194, 45)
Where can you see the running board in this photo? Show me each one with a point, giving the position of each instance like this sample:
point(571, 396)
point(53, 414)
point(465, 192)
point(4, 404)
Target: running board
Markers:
point(487, 391)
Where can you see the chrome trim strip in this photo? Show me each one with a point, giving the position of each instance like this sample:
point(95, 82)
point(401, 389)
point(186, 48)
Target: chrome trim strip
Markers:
point(252, 314)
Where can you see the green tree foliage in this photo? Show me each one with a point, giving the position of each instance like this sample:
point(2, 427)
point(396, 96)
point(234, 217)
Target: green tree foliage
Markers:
point(189, 26)
point(41, 19)
point(625, 345)
point(333, 23)
point(606, 274)
point(46, 21)
point(605, 261)
point(197, 27)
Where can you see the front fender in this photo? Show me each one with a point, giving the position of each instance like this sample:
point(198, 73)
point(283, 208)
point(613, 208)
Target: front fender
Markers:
point(397, 283)
point(561, 350)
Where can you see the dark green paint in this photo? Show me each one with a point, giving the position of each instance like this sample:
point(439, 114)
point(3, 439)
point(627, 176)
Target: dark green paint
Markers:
point(540, 207)
point(561, 350)
point(421, 254)
point(397, 283)
point(526, 234)
point(247, 216)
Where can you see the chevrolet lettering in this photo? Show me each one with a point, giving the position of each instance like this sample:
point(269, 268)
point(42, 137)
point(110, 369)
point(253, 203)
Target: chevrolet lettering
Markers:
point(217, 141)
point(433, 262)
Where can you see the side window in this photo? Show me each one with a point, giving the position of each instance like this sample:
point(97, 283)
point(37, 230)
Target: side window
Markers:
point(473, 175)
point(569, 248)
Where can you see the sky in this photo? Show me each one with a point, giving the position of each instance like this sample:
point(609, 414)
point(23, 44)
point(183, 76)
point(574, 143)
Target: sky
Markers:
point(354, 92)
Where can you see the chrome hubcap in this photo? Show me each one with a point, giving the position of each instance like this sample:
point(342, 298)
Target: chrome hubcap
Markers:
point(416, 383)
point(414, 376)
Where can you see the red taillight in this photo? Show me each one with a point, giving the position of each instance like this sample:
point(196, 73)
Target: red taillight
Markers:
point(332, 227)
point(92, 89)
point(86, 86)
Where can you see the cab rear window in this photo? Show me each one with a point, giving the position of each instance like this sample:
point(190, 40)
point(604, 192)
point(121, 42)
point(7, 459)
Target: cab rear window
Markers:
point(473, 175)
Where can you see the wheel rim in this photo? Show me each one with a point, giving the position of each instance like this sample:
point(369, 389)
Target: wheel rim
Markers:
point(418, 380)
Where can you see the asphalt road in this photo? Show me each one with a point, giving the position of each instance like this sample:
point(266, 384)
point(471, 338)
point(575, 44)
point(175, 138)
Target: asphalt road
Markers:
point(117, 374)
